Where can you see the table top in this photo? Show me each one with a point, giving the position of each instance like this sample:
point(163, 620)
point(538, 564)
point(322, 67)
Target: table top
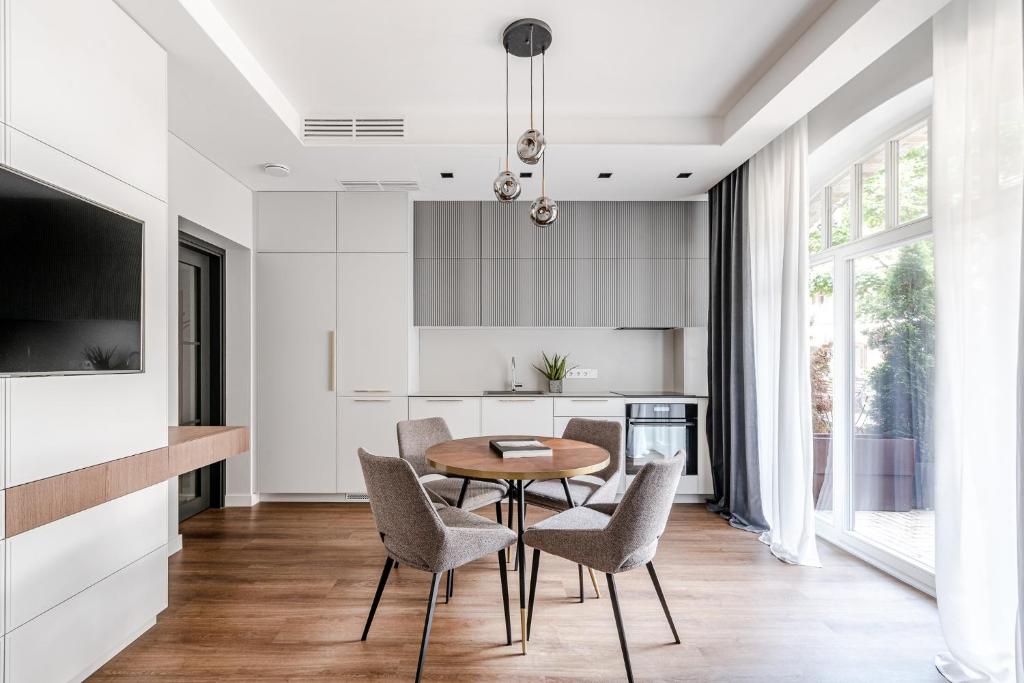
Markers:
point(473, 457)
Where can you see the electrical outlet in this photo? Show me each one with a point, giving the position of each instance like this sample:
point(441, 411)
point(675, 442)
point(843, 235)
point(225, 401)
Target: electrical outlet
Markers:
point(581, 373)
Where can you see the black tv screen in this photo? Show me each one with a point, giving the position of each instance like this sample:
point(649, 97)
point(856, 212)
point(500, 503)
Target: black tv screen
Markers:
point(70, 283)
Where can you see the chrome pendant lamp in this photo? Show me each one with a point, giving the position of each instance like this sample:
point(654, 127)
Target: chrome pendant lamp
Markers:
point(527, 38)
point(506, 185)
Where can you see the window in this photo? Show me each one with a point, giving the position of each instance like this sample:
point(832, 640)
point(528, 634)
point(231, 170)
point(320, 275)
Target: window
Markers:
point(871, 323)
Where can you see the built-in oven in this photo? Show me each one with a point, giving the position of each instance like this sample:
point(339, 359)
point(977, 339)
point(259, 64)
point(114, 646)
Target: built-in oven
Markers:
point(657, 431)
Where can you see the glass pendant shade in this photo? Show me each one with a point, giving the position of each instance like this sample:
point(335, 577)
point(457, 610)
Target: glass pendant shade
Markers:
point(530, 147)
point(543, 211)
point(507, 187)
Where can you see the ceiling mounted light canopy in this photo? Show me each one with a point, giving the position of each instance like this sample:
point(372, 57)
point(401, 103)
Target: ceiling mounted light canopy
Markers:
point(527, 38)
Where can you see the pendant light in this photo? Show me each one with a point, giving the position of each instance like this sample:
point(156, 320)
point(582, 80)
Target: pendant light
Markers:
point(544, 210)
point(506, 185)
point(527, 38)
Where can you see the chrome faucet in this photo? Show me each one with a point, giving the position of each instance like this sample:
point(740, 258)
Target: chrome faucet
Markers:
point(515, 385)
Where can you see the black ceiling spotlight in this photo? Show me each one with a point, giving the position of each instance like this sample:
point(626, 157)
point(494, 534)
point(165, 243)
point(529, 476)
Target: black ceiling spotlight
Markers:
point(447, 174)
point(685, 174)
point(526, 174)
point(604, 174)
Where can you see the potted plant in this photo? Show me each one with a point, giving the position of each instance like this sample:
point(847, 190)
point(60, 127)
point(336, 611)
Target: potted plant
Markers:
point(554, 369)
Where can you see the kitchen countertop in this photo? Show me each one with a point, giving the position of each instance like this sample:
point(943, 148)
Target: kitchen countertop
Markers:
point(548, 394)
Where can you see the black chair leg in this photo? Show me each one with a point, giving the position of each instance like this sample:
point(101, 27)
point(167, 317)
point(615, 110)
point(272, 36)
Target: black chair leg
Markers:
point(618, 625)
point(376, 598)
point(451, 583)
point(664, 604)
point(431, 601)
point(580, 568)
point(503, 571)
point(497, 511)
point(511, 517)
point(533, 591)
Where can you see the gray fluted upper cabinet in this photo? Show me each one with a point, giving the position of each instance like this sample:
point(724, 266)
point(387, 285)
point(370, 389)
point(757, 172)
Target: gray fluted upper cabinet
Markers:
point(651, 230)
point(514, 292)
point(582, 292)
point(651, 292)
point(508, 232)
point(446, 243)
point(296, 222)
point(585, 230)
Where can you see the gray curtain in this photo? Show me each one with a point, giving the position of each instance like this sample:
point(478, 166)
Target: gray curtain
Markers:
point(732, 408)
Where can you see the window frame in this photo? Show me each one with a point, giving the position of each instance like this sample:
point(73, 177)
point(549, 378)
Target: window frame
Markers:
point(839, 529)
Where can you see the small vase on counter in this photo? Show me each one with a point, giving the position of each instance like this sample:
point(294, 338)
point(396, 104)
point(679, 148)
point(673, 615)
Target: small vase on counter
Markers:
point(555, 386)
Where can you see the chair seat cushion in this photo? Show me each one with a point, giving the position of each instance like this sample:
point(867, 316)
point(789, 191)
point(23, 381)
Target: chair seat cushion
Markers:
point(551, 494)
point(575, 535)
point(478, 493)
point(469, 538)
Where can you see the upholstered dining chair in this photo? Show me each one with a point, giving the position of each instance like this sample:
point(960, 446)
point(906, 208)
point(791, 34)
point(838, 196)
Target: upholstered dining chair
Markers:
point(613, 538)
point(432, 537)
point(601, 487)
point(414, 438)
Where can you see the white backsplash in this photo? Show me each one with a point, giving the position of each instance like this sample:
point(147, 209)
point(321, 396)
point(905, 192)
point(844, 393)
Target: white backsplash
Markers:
point(475, 359)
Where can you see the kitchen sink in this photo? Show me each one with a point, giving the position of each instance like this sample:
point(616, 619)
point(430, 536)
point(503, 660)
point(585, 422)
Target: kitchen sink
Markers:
point(506, 392)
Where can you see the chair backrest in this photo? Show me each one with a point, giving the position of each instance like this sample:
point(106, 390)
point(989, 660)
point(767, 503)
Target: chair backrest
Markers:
point(603, 433)
point(409, 525)
point(640, 518)
point(416, 436)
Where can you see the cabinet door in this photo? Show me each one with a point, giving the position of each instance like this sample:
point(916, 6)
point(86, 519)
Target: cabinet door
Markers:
point(296, 221)
point(514, 415)
point(373, 221)
point(295, 400)
point(373, 322)
point(461, 414)
point(370, 424)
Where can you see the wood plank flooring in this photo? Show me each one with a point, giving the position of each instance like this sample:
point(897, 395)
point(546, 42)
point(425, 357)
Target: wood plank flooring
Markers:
point(280, 592)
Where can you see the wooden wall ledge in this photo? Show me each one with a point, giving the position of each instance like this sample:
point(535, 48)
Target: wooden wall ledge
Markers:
point(40, 502)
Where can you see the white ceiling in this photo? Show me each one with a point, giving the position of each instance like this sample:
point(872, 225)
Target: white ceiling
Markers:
point(608, 58)
point(644, 89)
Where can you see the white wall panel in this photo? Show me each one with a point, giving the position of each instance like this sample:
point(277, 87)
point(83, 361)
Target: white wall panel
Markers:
point(49, 564)
point(101, 417)
point(86, 79)
point(74, 638)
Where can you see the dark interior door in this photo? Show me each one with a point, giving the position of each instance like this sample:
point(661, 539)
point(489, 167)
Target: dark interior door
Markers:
point(200, 387)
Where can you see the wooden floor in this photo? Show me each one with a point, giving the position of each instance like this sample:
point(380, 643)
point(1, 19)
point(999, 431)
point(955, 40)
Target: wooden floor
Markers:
point(280, 592)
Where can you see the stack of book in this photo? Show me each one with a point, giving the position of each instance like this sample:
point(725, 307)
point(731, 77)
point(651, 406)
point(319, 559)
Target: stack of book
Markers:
point(520, 449)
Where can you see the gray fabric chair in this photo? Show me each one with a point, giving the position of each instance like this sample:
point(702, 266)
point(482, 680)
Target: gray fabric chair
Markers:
point(428, 536)
point(414, 438)
point(613, 538)
point(600, 487)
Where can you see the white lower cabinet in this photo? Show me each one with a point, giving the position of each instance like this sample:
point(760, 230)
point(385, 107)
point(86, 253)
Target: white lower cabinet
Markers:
point(368, 423)
point(73, 639)
point(53, 562)
point(516, 416)
point(462, 414)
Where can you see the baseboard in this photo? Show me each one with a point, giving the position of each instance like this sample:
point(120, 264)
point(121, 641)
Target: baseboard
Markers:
point(93, 668)
point(241, 500)
point(311, 498)
point(174, 544)
point(698, 498)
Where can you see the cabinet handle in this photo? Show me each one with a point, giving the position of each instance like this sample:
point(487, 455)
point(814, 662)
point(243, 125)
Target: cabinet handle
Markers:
point(371, 400)
point(516, 400)
point(372, 391)
point(589, 400)
point(444, 400)
point(332, 363)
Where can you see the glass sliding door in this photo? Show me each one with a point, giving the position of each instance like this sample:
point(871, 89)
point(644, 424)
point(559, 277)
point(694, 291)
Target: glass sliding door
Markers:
point(871, 332)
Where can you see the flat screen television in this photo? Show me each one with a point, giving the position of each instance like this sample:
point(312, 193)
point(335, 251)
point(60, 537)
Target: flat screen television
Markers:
point(70, 283)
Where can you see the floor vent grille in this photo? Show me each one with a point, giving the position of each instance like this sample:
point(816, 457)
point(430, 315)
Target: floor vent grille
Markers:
point(358, 497)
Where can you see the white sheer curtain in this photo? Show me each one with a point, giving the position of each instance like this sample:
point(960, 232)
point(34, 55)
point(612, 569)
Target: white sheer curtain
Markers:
point(978, 123)
point(777, 220)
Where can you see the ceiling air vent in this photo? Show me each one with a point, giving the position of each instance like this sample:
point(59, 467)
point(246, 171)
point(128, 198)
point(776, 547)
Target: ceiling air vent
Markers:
point(326, 130)
point(378, 185)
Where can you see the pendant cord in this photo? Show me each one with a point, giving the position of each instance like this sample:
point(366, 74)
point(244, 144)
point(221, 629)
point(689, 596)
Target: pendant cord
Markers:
point(506, 111)
point(531, 75)
point(543, 122)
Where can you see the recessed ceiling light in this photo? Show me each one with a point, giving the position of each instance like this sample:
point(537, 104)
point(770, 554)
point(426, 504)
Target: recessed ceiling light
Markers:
point(604, 174)
point(447, 174)
point(277, 170)
point(685, 174)
point(526, 174)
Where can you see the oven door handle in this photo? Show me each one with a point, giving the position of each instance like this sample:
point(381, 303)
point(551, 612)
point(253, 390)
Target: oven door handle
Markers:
point(678, 423)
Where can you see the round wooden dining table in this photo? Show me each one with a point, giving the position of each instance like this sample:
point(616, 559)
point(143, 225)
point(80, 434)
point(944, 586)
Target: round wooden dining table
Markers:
point(473, 458)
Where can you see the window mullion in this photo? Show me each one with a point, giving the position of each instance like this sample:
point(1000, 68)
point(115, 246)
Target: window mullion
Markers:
point(856, 186)
point(892, 184)
point(826, 216)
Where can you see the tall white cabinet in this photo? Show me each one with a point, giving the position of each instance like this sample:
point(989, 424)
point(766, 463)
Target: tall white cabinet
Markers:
point(334, 316)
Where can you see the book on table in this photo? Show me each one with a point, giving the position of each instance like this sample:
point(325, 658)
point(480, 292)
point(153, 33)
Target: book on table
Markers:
point(510, 448)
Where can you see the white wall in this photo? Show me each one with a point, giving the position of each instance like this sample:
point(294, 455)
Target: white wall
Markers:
point(476, 359)
point(207, 203)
